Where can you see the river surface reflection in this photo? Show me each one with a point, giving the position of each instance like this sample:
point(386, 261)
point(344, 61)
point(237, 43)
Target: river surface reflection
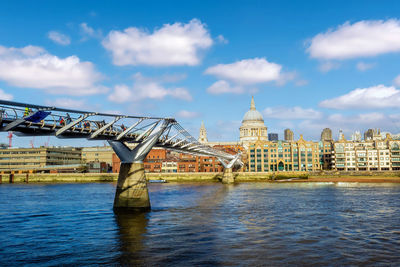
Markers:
point(202, 224)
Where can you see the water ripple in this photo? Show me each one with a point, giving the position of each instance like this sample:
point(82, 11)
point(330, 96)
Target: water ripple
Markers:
point(203, 225)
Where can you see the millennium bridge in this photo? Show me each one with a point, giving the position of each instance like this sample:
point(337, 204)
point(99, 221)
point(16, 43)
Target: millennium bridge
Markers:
point(131, 137)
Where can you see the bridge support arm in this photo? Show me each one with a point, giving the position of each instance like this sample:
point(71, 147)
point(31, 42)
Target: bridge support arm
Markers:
point(73, 123)
point(99, 131)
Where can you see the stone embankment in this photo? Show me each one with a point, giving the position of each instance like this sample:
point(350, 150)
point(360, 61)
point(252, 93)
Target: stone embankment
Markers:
point(392, 177)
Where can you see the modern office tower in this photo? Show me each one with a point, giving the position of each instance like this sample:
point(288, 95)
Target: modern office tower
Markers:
point(288, 135)
point(326, 135)
point(373, 134)
point(273, 137)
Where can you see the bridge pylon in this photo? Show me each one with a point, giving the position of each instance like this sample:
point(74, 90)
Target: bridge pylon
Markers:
point(227, 176)
point(131, 193)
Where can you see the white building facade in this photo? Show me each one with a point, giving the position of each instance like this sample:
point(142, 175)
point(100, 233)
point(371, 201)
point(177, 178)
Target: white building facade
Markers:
point(370, 155)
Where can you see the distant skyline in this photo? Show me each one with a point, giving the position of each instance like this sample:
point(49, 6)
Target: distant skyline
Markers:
point(309, 64)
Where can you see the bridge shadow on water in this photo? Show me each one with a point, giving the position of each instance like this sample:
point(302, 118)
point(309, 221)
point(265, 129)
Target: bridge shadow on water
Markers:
point(175, 231)
point(131, 230)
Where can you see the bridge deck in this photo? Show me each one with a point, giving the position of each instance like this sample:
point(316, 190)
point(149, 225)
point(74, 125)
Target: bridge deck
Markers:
point(34, 120)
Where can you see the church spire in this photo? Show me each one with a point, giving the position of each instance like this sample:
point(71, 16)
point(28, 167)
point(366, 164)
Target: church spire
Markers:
point(203, 134)
point(252, 105)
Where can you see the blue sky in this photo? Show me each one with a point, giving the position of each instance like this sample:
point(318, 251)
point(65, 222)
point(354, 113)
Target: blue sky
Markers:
point(309, 64)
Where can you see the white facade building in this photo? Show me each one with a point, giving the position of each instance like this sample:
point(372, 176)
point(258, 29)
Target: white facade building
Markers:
point(377, 155)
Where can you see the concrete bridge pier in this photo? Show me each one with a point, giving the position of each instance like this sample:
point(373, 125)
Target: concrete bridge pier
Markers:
point(227, 177)
point(131, 193)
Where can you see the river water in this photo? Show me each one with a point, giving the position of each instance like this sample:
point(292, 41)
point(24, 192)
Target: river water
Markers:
point(249, 224)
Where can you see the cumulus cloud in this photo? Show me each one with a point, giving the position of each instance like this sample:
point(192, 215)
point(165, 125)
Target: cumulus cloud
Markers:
point(328, 66)
point(222, 87)
point(221, 39)
point(291, 113)
point(147, 88)
point(378, 96)
point(88, 31)
point(187, 114)
point(172, 45)
point(33, 67)
point(362, 39)
point(122, 93)
point(362, 66)
point(59, 38)
point(67, 103)
point(247, 71)
point(301, 82)
point(397, 80)
point(5, 96)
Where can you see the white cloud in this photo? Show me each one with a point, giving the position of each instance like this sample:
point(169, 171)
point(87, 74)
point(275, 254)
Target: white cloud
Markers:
point(171, 45)
point(33, 67)
point(147, 88)
point(59, 38)
point(301, 82)
point(5, 96)
point(291, 113)
point(328, 66)
point(397, 80)
point(362, 39)
point(121, 93)
point(187, 114)
point(67, 103)
point(88, 31)
point(221, 87)
point(347, 123)
point(362, 66)
point(378, 96)
point(247, 71)
point(221, 39)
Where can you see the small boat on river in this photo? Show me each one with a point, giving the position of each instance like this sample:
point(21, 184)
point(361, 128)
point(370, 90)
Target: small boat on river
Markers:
point(158, 181)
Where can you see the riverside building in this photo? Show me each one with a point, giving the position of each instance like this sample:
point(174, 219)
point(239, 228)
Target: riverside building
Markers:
point(97, 154)
point(366, 155)
point(12, 159)
point(270, 156)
